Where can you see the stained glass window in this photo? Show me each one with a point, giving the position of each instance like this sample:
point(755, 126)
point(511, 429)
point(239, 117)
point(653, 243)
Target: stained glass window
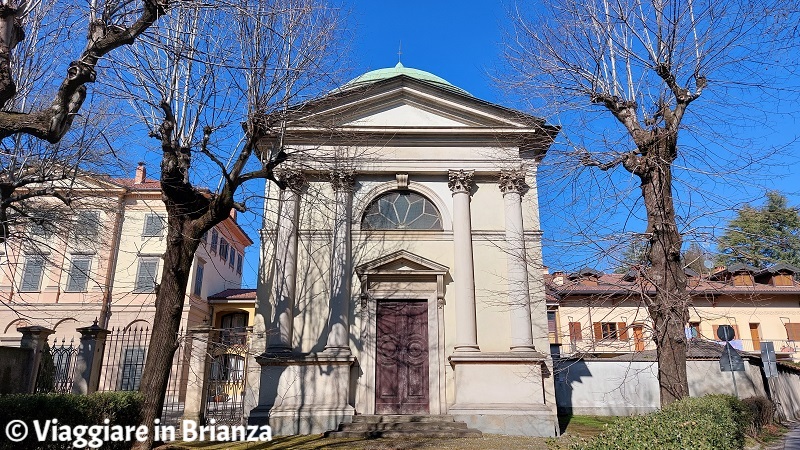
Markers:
point(401, 210)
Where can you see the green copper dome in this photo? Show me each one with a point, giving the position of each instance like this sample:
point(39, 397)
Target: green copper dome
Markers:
point(391, 72)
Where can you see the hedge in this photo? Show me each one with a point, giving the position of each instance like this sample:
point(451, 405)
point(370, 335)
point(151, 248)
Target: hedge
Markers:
point(121, 408)
point(705, 423)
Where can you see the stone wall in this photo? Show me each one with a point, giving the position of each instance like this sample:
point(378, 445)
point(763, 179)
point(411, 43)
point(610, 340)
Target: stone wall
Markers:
point(619, 388)
point(13, 368)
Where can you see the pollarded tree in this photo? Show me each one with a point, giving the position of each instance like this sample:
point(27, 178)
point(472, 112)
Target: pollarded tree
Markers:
point(762, 236)
point(646, 67)
point(212, 96)
point(42, 93)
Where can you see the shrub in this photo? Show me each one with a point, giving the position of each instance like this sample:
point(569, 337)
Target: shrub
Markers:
point(763, 413)
point(121, 408)
point(705, 423)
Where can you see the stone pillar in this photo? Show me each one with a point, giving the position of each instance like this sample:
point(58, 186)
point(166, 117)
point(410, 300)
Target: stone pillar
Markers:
point(284, 275)
point(198, 339)
point(512, 184)
point(89, 360)
point(34, 338)
point(460, 183)
point(341, 265)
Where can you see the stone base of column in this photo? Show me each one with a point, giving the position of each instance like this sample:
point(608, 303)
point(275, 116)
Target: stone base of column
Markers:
point(523, 348)
point(466, 348)
point(504, 393)
point(303, 393)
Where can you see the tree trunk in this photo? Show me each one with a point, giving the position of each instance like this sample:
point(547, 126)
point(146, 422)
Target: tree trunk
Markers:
point(178, 258)
point(669, 309)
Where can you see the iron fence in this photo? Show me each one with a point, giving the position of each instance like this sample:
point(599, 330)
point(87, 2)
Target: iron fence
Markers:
point(57, 367)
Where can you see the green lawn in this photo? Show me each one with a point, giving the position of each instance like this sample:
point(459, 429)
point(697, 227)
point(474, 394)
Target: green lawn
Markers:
point(573, 427)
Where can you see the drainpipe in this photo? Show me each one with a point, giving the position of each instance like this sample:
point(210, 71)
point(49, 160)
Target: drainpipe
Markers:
point(113, 254)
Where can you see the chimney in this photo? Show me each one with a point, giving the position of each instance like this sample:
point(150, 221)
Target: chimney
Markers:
point(233, 215)
point(141, 174)
point(558, 278)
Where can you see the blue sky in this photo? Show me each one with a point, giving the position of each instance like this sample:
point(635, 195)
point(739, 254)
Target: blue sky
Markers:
point(461, 41)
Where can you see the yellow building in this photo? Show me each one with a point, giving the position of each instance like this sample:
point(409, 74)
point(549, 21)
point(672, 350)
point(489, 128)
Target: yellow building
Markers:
point(604, 314)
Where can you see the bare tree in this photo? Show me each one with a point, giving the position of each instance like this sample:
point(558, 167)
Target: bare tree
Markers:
point(215, 99)
point(642, 65)
point(39, 104)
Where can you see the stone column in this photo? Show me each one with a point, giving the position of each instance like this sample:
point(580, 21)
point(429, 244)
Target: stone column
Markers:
point(198, 340)
point(341, 265)
point(284, 275)
point(89, 360)
point(513, 187)
point(460, 183)
point(34, 338)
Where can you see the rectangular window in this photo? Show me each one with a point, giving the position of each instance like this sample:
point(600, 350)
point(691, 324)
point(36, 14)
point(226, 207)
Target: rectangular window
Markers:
point(146, 276)
point(132, 365)
point(239, 263)
point(575, 332)
point(693, 330)
point(42, 224)
point(223, 249)
point(198, 280)
point(551, 322)
point(32, 274)
point(232, 259)
point(78, 277)
point(610, 331)
point(153, 225)
point(214, 239)
point(87, 225)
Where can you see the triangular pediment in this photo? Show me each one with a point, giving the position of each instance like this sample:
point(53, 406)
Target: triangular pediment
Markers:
point(402, 261)
point(407, 102)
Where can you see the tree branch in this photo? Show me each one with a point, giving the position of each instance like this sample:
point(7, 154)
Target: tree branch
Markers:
point(51, 123)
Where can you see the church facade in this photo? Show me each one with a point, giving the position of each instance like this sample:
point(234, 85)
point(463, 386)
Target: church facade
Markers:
point(401, 262)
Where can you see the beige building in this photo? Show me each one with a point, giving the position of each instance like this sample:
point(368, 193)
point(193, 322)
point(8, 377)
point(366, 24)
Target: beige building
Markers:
point(102, 259)
point(401, 262)
point(603, 314)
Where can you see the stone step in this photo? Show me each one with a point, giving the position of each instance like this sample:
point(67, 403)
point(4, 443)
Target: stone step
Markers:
point(468, 433)
point(399, 418)
point(403, 426)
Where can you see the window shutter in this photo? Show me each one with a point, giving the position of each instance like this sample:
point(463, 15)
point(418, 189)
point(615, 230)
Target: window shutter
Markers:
point(87, 224)
point(231, 260)
point(575, 332)
point(239, 264)
point(152, 225)
point(78, 279)
point(214, 239)
point(32, 274)
point(622, 331)
point(793, 331)
point(146, 278)
point(598, 330)
point(198, 280)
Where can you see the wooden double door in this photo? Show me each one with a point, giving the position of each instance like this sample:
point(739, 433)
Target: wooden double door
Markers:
point(402, 358)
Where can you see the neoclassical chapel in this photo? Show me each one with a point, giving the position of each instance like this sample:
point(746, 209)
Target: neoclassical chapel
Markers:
point(401, 262)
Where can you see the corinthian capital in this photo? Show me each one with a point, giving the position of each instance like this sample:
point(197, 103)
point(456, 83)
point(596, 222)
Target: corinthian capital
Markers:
point(513, 180)
point(342, 180)
point(460, 180)
point(291, 178)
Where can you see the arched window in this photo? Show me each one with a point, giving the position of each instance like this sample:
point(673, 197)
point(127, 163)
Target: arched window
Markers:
point(401, 210)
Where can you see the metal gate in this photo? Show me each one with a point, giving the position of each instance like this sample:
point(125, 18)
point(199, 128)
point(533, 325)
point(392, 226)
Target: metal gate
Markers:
point(227, 377)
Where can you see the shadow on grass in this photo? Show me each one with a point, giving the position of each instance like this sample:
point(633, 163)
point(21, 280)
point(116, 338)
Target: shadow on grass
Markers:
point(585, 426)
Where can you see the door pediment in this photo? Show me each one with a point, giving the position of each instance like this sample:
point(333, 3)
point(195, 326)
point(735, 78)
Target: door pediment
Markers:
point(401, 262)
